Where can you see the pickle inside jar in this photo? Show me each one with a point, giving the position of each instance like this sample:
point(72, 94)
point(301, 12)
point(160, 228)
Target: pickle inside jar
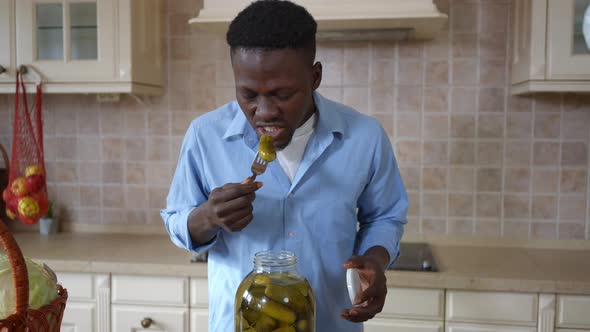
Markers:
point(275, 302)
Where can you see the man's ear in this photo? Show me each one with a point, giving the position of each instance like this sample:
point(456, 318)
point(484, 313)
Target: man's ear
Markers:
point(317, 75)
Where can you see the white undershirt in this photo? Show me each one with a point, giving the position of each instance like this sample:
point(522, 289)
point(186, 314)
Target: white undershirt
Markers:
point(290, 157)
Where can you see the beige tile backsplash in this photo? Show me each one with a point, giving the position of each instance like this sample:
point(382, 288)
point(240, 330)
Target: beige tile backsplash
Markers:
point(476, 161)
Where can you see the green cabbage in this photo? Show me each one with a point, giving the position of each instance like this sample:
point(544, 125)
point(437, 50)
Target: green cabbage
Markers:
point(42, 286)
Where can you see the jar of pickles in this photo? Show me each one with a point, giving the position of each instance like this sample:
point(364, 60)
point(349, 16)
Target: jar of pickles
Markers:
point(274, 297)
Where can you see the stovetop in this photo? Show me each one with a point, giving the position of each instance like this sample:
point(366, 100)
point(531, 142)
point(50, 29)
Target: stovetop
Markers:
point(415, 257)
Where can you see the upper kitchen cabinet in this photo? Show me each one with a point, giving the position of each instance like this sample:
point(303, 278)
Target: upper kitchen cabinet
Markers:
point(551, 52)
point(83, 46)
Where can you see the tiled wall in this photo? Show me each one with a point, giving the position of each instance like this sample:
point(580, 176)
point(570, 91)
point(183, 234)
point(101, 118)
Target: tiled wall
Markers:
point(476, 161)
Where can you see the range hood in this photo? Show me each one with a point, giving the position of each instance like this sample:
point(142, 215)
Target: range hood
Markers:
point(345, 19)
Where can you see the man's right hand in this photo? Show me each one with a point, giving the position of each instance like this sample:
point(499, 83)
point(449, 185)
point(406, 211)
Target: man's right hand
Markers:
point(229, 207)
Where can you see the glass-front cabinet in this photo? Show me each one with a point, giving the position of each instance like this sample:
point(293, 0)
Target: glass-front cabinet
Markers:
point(86, 45)
point(7, 45)
point(551, 46)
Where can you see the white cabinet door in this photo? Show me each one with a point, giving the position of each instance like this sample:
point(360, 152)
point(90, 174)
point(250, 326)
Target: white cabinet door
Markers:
point(568, 56)
point(88, 306)
point(398, 325)
point(487, 328)
point(79, 316)
point(199, 320)
point(132, 318)
point(7, 42)
point(492, 307)
point(68, 41)
point(573, 311)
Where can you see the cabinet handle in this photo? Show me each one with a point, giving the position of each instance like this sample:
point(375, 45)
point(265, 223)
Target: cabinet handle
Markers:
point(146, 322)
point(2, 69)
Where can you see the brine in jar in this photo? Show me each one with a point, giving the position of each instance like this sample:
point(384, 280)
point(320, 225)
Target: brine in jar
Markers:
point(274, 297)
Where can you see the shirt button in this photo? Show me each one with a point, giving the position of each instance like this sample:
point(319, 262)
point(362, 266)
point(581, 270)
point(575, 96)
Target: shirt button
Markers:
point(290, 195)
point(291, 234)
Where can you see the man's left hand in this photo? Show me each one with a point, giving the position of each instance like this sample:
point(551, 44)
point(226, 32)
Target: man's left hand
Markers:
point(370, 300)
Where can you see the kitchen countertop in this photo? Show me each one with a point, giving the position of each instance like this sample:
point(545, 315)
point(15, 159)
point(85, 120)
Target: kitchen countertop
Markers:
point(466, 267)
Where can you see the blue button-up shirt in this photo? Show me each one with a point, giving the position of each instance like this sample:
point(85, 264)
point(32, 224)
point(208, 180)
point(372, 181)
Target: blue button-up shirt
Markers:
point(346, 197)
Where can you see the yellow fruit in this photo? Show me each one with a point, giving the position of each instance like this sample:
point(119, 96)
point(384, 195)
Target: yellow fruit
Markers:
point(19, 187)
point(10, 215)
point(28, 207)
point(34, 170)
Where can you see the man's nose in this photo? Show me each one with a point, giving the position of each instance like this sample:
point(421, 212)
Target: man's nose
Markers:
point(266, 109)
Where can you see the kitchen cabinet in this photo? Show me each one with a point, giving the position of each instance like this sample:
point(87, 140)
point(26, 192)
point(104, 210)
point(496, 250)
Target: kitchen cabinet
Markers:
point(88, 306)
point(132, 318)
point(199, 320)
point(398, 325)
point(151, 303)
point(487, 328)
point(83, 46)
point(7, 42)
point(411, 310)
point(469, 311)
point(573, 312)
point(199, 303)
point(549, 49)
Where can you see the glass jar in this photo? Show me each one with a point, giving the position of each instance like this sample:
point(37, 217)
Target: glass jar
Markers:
point(274, 296)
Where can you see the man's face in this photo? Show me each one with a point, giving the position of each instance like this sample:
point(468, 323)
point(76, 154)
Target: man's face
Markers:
point(275, 88)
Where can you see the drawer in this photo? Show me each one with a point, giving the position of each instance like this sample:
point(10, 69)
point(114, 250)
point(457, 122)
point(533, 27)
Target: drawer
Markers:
point(573, 311)
point(398, 325)
point(163, 291)
point(487, 328)
point(492, 307)
point(414, 303)
point(199, 293)
point(163, 319)
point(82, 286)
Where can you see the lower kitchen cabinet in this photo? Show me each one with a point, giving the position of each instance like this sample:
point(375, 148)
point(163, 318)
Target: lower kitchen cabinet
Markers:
point(88, 305)
point(487, 328)
point(199, 320)
point(120, 303)
point(79, 316)
point(199, 303)
point(573, 312)
point(398, 325)
point(133, 318)
point(150, 303)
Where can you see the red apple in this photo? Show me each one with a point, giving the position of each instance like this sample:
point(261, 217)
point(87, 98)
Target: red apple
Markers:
point(43, 202)
point(35, 182)
point(7, 195)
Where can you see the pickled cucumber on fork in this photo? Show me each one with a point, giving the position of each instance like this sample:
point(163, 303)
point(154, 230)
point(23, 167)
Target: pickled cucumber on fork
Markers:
point(266, 150)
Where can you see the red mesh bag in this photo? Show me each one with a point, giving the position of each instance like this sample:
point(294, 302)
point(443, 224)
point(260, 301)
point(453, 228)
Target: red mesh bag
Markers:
point(26, 193)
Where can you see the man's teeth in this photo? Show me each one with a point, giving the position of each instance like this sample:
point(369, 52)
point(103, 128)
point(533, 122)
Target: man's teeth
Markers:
point(270, 129)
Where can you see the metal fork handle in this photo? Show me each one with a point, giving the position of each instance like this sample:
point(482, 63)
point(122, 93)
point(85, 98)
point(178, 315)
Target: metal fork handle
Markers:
point(250, 179)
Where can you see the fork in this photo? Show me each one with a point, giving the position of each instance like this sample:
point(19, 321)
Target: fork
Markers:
point(258, 167)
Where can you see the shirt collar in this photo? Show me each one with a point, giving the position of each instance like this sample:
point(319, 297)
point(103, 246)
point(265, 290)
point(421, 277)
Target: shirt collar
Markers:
point(328, 120)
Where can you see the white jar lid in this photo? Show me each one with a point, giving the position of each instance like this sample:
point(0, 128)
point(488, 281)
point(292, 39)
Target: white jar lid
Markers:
point(353, 282)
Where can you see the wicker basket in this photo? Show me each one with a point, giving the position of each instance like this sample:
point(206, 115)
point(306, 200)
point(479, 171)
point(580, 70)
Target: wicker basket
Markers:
point(45, 319)
point(4, 166)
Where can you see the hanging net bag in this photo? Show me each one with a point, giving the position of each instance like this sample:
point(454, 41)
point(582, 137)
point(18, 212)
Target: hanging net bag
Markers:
point(26, 193)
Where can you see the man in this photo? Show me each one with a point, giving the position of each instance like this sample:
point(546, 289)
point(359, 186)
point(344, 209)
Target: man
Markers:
point(335, 170)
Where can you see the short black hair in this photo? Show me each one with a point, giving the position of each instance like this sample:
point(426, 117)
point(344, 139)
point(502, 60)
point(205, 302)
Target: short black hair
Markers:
point(273, 24)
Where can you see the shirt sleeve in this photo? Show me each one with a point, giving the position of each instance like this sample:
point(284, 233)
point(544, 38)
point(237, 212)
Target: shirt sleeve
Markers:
point(383, 204)
point(187, 192)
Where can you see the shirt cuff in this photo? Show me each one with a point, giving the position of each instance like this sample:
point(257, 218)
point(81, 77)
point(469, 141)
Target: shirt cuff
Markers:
point(177, 226)
point(386, 236)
